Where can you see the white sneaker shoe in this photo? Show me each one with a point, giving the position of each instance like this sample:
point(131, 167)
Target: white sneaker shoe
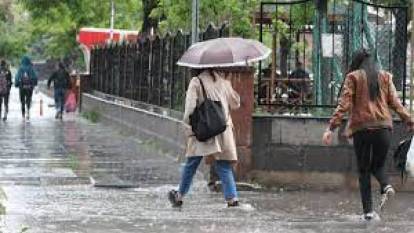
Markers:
point(28, 116)
point(387, 195)
point(371, 216)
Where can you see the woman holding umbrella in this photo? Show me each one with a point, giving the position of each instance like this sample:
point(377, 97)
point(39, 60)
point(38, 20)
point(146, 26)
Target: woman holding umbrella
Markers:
point(221, 148)
point(208, 58)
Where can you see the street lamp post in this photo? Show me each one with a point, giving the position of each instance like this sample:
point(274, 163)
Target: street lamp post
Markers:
point(195, 21)
point(412, 61)
point(111, 31)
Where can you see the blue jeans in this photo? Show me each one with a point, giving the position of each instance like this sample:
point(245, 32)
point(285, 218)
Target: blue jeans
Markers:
point(59, 99)
point(223, 169)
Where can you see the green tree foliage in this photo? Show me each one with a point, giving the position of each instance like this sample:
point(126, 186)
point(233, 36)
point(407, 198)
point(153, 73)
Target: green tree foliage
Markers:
point(49, 27)
point(149, 22)
point(14, 27)
point(53, 24)
point(56, 22)
point(176, 14)
point(5, 7)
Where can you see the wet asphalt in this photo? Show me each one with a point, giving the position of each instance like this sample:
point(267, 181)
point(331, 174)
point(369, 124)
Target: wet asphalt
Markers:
point(78, 176)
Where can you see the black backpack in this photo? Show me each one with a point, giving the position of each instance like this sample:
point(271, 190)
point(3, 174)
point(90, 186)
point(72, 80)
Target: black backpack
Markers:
point(208, 118)
point(26, 82)
point(4, 84)
point(400, 157)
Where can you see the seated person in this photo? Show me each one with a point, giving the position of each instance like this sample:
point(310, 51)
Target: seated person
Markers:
point(299, 88)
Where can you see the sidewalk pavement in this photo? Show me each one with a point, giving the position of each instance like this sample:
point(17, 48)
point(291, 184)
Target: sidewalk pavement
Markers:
point(77, 176)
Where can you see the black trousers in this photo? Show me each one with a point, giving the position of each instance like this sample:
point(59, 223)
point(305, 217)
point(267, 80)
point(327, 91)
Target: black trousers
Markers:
point(25, 99)
point(4, 99)
point(371, 148)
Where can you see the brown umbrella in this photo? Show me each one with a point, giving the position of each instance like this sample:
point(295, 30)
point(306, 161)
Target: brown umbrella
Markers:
point(224, 52)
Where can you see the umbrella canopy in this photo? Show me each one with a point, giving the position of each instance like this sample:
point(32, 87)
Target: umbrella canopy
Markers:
point(224, 52)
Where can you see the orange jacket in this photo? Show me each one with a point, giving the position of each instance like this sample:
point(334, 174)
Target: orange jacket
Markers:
point(364, 113)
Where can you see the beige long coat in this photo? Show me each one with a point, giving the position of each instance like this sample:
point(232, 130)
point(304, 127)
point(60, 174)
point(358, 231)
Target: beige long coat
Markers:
point(223, 146)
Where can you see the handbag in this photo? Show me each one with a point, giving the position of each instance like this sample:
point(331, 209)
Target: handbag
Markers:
point(404, 158)
point(409, 165)
point(208, 118)
point(70, 104)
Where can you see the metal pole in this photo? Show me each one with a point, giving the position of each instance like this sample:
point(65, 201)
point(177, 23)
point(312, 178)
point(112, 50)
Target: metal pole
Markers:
point(260, 62)
point(111, 35)
point(412, 62)
point(195, 21)
point(404, 76)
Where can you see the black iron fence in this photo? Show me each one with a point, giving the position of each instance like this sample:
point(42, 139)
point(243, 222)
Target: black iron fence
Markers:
point(313, 43)
point(146, 71)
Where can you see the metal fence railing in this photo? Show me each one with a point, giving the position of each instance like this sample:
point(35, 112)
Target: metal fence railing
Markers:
point(313, 43)
point(146, 71)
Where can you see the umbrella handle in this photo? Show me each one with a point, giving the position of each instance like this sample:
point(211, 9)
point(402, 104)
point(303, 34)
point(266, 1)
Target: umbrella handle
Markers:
point(247, 61)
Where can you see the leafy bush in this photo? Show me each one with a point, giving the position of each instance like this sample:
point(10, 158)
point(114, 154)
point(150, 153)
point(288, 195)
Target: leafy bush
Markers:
point(92, 116)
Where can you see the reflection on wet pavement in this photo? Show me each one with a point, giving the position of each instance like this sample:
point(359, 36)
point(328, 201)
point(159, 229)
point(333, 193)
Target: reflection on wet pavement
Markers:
point(75, 176)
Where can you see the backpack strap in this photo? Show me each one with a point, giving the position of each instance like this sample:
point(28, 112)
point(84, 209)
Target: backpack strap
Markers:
point(205, 96)
point(202, 87)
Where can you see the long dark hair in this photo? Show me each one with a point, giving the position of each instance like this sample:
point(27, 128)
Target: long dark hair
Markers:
point(197, 72)
point(363, 60)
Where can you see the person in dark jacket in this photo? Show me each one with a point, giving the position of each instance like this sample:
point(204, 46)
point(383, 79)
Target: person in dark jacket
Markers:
point(4, 96)
point(301, 76)
point(60, 79)
point(26, 80)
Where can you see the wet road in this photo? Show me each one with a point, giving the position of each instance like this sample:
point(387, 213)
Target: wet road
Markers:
point(76, 176)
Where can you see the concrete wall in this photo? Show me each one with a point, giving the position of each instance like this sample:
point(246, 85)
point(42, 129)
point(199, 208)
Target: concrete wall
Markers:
point(289, 151)
point(165, 125)
point(286, 151)
point(146, 121)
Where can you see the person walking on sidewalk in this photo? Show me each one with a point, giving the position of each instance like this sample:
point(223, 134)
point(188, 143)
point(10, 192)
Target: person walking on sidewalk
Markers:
point(26, 80)
point(220, 149)
point(5, 86)
point(368, 94)
point(60, 79)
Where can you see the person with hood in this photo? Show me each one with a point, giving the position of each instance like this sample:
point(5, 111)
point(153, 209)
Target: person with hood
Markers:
point(61, 80)
point(5, 86)
point(368, 95)
point(26, 80)
point(220, 149)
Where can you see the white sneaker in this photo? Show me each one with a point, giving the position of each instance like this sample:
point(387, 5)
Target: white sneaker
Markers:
point(28, 116)
point(371, 216)
point(387, 195)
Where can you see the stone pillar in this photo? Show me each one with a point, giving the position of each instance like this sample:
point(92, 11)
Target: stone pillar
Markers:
point(243, 83)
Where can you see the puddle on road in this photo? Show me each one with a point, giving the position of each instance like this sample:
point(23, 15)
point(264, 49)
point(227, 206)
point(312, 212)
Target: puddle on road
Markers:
point(68, 204)
point(146, 209)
